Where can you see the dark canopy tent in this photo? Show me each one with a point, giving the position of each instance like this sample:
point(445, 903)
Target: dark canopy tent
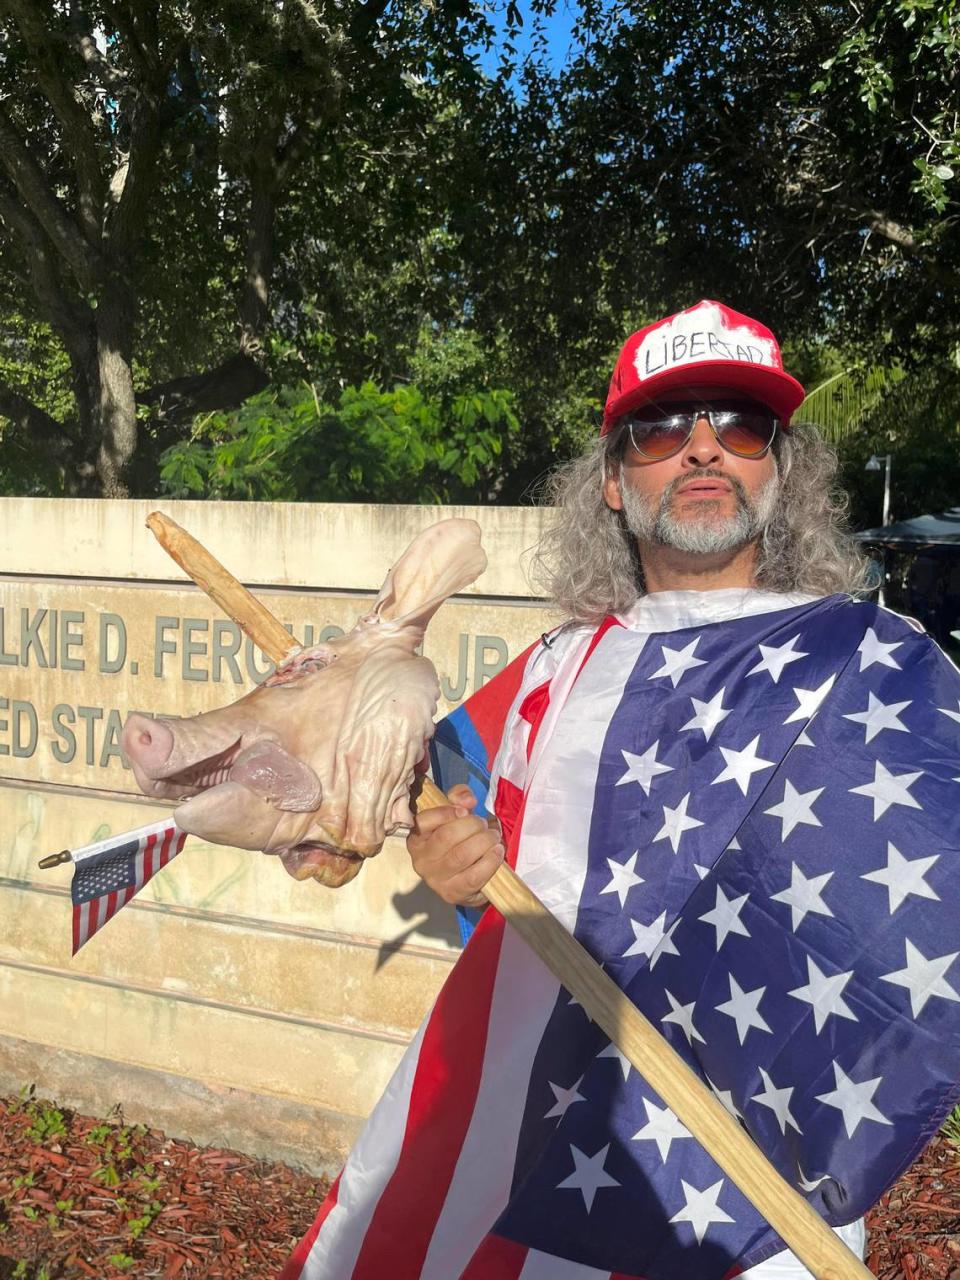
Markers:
point(921, 531)
point(922, 570)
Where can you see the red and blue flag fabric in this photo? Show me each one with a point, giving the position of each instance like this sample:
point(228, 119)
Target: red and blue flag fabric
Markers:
point(745, 806)
point(110, 872)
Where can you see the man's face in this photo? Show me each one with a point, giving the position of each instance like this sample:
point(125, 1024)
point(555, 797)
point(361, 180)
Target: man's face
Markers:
point(703, 499)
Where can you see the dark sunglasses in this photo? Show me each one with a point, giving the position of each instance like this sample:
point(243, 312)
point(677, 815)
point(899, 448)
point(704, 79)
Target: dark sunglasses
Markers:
point(743, 427)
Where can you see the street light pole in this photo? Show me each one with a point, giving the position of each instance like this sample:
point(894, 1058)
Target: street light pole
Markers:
point(874, 465)
point(886, 490)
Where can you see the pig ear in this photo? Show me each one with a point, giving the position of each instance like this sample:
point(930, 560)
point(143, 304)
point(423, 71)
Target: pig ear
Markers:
point(439, 562)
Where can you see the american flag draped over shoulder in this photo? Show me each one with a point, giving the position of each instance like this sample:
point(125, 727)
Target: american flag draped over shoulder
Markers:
point(110, 872)
point(749, 814)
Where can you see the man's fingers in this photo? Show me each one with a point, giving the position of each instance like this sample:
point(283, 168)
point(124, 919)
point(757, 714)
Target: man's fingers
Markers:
point(458, 857)
point(465, 889)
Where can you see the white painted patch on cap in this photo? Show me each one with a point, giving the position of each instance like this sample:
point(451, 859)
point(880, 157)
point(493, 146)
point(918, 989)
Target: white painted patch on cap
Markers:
point(699, 335)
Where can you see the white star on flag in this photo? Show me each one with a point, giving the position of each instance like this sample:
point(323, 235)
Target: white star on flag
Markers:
point(744, 1008)
point(725, 917)
point(872, 649)
point(854, 1100)
point(588, 1176)
point(662, 1127)
point(677, 662)
point(954, 715)
point(879, 715)
point(564, 1098)
point(803, 895)
point(725, 1097)
point(824, 992)
point(923, 978)
point(742, 765)
point(623, 877)
point(666, 946)
point(808, 702)
point(648, 937)
point(796, 807)
point(774, 658)
point(642, 769)
point(611, 1051)
point(708, 715)
point(810, 1184)
point(676, 822)
point(778, 1100)
point(682, 1015)
point(903, 876)
point(701, 1209)
point(888, 789)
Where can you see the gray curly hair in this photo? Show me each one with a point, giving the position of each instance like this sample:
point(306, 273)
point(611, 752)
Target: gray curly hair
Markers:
point(588, 562)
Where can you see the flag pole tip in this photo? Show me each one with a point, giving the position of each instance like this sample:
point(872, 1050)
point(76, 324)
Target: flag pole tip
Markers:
point(54, 859)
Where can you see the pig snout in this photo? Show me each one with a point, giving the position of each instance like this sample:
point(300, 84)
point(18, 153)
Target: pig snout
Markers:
point(174, 758)
point(147, 743)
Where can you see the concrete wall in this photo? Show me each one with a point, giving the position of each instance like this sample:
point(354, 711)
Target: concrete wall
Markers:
point(227, 1002)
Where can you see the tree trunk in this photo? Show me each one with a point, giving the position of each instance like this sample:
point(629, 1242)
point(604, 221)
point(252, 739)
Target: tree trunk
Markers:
point(115, 419)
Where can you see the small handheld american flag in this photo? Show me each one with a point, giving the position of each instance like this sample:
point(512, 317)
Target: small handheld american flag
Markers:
point(110, 872)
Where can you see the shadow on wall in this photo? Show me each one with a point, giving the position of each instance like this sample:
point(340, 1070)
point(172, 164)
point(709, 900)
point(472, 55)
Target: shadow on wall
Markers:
point(430, 917)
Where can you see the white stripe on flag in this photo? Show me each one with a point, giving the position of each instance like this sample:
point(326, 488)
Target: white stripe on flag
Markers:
point(523, 995)
point(84, 931)
point(524, 991)
point(546, 1266)
point(559, 812)
point(374, 1156)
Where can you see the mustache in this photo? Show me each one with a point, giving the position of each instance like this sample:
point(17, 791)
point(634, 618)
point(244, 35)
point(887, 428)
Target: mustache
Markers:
point(707, 473)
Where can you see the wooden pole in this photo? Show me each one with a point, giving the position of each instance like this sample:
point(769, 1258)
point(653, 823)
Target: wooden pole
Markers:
point(696, 1107)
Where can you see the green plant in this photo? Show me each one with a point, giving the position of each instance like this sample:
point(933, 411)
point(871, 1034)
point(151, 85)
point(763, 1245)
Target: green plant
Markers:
point(951, 1128)
point(46, 1121)
point(122, 1261)
point(137, 1226)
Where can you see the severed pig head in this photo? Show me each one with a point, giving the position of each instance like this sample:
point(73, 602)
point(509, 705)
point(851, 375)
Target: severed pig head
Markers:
point(317, 763)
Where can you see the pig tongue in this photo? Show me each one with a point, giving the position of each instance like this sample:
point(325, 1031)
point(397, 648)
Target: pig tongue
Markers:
point(229, 814)
point(278, 777)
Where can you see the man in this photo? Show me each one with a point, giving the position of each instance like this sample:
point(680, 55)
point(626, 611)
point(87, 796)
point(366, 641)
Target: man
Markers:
point(705, 774)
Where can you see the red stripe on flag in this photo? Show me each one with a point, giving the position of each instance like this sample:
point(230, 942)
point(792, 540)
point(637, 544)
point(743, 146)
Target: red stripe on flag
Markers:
point(491, 702)
point(112, 904)
point(165, 854)
point(93, 909)
point(441, 1105)
point(77, 940)
point(148, 867)
point(181, 841)
point(496, 1259)
point(298, 1259)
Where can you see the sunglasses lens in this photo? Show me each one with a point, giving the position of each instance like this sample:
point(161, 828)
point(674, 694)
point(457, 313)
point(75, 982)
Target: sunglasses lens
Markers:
point(661, 437)
point(747, 432)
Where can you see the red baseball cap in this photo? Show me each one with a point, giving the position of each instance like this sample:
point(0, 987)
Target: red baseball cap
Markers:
point(706, 345)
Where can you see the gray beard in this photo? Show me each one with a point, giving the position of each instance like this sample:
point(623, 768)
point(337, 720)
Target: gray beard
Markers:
point(702, 530)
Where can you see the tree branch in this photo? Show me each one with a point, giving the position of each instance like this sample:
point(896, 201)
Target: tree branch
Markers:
point(79, 133)
point(69, 316)
point(223, 387)
point(30, 417)
point(38, 195)
point(905, 239)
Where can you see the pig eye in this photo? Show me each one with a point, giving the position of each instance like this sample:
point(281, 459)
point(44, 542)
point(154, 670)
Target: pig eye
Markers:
point(301, 664)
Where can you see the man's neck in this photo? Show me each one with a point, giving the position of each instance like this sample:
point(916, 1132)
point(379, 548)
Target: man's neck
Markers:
point(666, 569)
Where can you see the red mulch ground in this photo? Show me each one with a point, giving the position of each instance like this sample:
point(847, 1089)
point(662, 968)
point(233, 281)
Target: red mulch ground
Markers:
point(81, 1197)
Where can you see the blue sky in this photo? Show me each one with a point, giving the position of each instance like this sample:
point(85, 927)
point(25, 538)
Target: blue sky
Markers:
point(557, 28)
